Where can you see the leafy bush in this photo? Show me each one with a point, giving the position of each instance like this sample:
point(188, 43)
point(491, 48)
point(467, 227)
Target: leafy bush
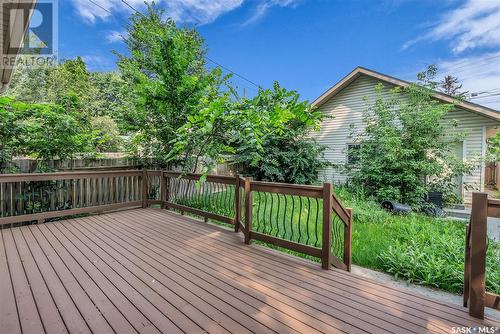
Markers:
point(406, 147)
point(278, 147)
point(417, 248)
point(106, 137)
point(267, 136)
point(43, 131)
point(493, 152)
point(435, 256)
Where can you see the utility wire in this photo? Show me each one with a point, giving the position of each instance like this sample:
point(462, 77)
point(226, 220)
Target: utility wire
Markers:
point(484, 96)
point(466, 63)
point(131, 7)
point(490, 91)
point(231, 71)
point(208, 58)
point(100, 6)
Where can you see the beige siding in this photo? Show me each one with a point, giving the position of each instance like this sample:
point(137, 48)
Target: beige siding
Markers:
point(347, 108)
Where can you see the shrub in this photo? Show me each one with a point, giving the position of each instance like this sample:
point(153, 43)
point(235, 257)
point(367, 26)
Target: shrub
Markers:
point(267, 136)
point(417, 248)
point(406, 148)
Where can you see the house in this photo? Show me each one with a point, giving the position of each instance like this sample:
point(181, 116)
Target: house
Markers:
point(346, 102)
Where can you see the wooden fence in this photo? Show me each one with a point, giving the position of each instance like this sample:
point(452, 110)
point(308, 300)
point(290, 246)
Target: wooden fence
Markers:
point(25, 165)
point(301, 218)
point(476, 242)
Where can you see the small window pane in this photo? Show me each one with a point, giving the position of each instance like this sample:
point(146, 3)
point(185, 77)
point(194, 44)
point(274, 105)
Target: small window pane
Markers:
point(353, 153)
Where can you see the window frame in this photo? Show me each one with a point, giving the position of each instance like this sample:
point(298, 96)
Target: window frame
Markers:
point(348, 150)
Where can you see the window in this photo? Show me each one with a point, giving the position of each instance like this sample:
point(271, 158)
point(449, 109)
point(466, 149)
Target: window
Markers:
point(353, 154)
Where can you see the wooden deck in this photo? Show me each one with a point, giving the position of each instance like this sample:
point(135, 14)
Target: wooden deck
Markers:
point(149, 270)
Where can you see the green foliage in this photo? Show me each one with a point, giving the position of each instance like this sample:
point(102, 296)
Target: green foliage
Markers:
point(417, 248)
point(165, 70)
point(70, 104)
point(110, 95)
point(407, 142)
point(106, 137)
point(274, 143)
point(433, 255)
point(494, 147)
point(267, 136)
point(42, 131)
point(10, 133)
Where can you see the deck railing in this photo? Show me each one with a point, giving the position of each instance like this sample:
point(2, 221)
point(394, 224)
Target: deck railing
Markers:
point(38, 197)
point(302, 218)
point(476, 243)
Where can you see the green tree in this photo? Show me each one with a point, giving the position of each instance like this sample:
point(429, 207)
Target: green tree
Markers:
point(267, 136)
point(274, 142)
point(106, 137)
point(42, 131)
point(11, 130)
point(165, 70)
point(110, 96)
point(31, 84)
point(406, 148)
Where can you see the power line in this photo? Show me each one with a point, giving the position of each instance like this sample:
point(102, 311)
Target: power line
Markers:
point(231, 71)
point(475, 94)
point(467, 63)
point(484, 96)
point(131, 7)
point(100, 6)
point(208, 58)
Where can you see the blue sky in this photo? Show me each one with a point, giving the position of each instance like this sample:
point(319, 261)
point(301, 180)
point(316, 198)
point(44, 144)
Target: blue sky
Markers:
point(308, 45)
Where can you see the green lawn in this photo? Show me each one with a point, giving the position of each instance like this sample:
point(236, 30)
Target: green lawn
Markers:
point(414, 247)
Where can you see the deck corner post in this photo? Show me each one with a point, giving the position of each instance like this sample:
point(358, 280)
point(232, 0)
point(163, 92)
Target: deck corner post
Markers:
point(248, 210)
point(144, 187)
point(326, 252)
point(478, 230)
point(163, 189)
point(237, 203)
point(467, 266)
point(348, 241)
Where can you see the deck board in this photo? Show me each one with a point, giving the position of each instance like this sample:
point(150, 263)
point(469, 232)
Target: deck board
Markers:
point(153, 271)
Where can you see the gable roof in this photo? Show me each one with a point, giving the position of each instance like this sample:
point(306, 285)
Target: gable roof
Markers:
point(359, 71)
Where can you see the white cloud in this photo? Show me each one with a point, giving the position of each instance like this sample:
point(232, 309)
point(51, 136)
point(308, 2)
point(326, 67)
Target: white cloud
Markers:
point(200, 11)
point(99, 63)
point(264, 6)
point(474, 24)
point(197, 11)
point(193, 11)
point(115, 36)
point(478, 74)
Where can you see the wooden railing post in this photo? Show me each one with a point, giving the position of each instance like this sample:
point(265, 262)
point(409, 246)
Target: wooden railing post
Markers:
point(163, 189)
point(348, 242)
point(144, 187)
point(248, 211)
point(237, 203)
point(467, 266)
point(326, 252)
point(478, 230)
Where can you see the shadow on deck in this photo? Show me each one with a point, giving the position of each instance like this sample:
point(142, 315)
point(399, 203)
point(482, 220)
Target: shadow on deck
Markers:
point(149, 270)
